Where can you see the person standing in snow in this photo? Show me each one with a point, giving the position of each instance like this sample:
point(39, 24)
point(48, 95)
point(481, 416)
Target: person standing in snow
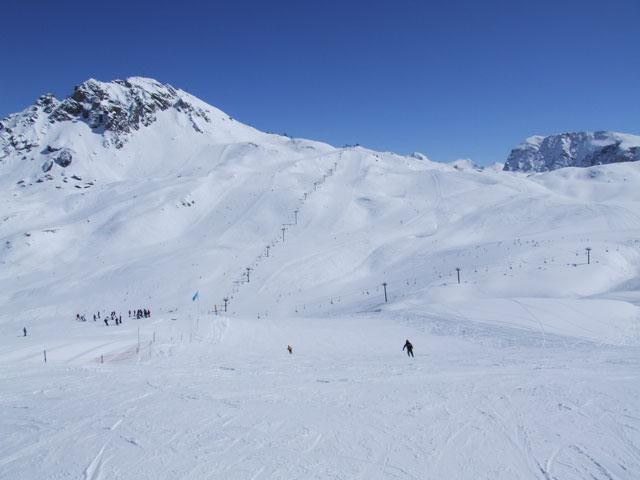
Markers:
point(290, 349)
point(24, 331)
point(409, 346)
point(106, 321)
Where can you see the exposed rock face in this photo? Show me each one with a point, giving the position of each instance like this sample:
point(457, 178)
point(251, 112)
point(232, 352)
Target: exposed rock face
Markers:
point(114, 109)
point(63, 157)
point(119, 111)
point(418, 156)
point(581, 149)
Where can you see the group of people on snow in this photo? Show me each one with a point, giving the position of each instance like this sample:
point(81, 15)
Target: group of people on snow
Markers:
point(114, 318)
point(140, 313)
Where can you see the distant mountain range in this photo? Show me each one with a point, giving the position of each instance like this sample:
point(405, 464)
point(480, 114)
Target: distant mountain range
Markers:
point(114, 111)
point(579, 149)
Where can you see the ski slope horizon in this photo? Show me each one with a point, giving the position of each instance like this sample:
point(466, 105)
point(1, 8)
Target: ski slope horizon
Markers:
point(525, 368)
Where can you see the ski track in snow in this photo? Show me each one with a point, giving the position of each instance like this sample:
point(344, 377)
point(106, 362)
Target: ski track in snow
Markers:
point(376, 417)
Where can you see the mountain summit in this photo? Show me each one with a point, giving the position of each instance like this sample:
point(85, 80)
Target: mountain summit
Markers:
point(111, 109)
point(115, 130)
point(579, 149)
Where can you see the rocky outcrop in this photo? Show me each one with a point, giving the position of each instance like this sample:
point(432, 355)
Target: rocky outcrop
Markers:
point(63, 157)
point(580, 149)
point(113, 109)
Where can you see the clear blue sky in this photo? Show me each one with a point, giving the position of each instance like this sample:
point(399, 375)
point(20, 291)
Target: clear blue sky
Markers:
point(452, 79)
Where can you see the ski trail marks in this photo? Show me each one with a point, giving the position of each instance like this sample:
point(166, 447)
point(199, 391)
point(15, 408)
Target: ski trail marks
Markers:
point(314, 444)
point(94, 470)
point(258, 472)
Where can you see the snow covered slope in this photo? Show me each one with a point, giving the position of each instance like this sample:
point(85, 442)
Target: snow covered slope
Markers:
point(526, 368)
point(581, 149)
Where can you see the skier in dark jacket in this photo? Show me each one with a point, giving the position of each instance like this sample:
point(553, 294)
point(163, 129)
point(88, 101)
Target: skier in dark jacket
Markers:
point(409, 346)
point(24, 331)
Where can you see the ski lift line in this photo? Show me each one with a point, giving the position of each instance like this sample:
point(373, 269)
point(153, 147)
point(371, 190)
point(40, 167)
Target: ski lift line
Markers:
point(256, 262)
point(478, 273)
point(408, 281)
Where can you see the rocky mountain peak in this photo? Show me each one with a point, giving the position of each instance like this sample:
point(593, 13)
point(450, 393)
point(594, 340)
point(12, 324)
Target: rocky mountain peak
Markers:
point(121, 106)
point(573, 149)
point(113, 109)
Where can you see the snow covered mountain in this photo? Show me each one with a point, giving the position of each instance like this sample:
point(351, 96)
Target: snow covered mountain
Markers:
point(108, 131)
point(581, 149)
point(134, 194)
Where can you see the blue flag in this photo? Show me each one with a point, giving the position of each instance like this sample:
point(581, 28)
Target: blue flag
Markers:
point(195, 296)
